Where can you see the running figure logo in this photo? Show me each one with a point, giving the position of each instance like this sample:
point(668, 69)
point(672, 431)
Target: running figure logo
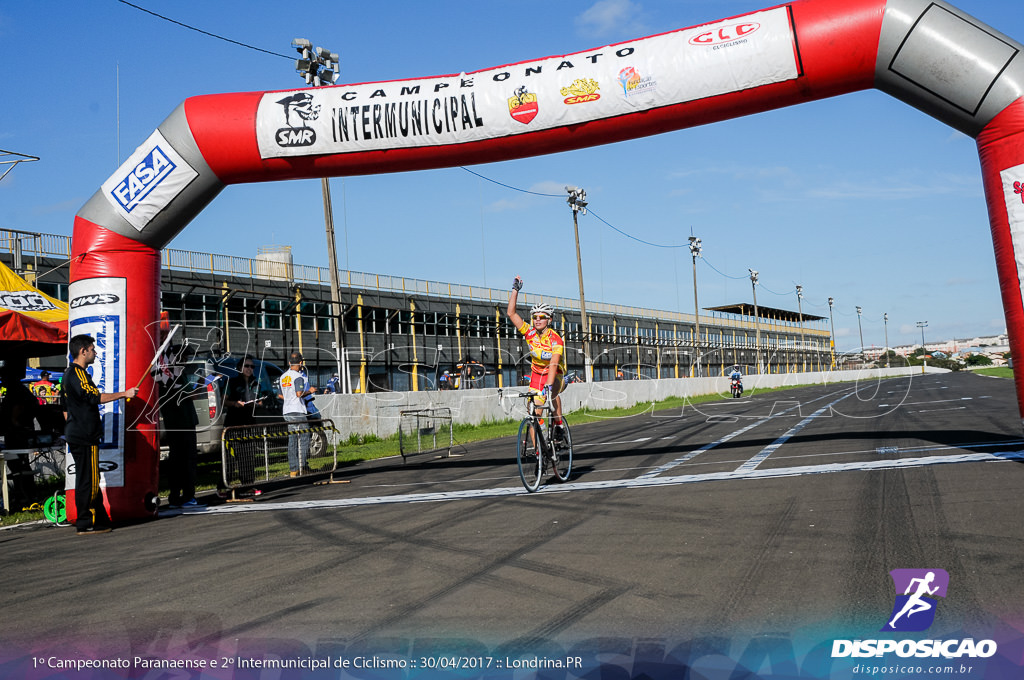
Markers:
point(914, 609)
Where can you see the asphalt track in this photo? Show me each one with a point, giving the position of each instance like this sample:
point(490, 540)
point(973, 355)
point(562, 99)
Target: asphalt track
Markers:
point(780, 513)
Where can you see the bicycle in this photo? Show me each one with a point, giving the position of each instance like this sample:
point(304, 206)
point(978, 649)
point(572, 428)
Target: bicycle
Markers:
point(537, 447)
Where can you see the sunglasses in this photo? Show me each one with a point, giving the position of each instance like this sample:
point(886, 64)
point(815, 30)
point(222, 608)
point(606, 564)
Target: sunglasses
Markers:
point(541, 316)
point(248, 366)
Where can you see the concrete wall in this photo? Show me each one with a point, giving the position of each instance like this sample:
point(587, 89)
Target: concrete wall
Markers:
point(378, 413)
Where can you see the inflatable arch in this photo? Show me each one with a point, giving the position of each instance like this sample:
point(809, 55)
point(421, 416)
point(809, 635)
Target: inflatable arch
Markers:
point(924, 52)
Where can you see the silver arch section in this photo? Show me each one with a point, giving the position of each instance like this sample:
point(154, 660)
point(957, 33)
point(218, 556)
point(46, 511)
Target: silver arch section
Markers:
point(948, 64)
point(159, 189)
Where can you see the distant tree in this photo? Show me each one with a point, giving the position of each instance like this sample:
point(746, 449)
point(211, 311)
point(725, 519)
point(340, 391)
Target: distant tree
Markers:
point(978, 360)
point(892, 359)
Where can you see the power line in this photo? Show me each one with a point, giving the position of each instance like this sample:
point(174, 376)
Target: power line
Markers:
point(509, 186)
point(199, 30)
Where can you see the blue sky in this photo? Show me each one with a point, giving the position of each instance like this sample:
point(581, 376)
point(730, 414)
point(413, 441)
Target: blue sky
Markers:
point(859, 197)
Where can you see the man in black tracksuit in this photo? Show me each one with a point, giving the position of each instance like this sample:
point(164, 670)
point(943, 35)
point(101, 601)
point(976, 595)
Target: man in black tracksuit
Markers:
point(84, 431)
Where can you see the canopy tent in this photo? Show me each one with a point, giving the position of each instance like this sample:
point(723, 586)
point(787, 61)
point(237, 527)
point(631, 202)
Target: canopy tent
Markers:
point(32, 324)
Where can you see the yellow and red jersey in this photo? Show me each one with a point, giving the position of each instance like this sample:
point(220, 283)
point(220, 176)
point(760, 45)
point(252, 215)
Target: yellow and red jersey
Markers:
point(543, 346)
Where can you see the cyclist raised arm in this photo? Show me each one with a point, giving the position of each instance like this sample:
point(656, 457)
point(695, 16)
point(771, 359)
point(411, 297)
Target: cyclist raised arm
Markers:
point(547, 349)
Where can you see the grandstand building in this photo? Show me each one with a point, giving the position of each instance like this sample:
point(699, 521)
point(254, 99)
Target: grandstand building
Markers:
point(400, 334)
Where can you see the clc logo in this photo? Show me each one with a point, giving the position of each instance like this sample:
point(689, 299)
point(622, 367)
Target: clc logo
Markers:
point(914, 609)
point(724, 34)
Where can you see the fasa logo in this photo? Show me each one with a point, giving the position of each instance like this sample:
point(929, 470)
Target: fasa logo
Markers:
point(298, 109)
point(724, 34)
point(143, 178)
point(916, 593)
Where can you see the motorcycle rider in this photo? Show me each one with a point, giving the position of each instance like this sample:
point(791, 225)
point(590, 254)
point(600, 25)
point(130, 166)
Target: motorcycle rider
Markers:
point(736, 378)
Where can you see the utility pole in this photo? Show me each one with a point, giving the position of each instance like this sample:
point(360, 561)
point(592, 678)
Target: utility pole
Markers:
point(863, 359)
point(757, 321)
point(695, 251)
point(885, 321)
point(800, 311)
point(832, 338)
point(577, 200)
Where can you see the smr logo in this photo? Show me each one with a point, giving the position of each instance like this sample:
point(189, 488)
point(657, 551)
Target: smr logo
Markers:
point(298, 109)
point(914, 610)
point(97, 299)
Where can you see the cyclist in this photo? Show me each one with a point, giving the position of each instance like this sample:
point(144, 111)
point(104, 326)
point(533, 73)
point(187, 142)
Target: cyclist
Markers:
point(547, 350)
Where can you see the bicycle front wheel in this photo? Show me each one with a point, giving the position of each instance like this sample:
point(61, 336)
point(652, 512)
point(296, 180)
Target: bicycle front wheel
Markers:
point(563, 453)
point(531, 463)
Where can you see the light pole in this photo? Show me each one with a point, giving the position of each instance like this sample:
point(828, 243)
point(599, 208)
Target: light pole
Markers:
point(578, 202)
point(924, 350)
point(319, 67)
point(800, 311)
point(861, 329)
point(885, 321)
point(832, 338)
point(695, 250)
point(757, 321)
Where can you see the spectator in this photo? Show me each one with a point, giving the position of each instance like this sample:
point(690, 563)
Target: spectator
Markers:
point(44, 390)
point(180, 421)
point(19, 410)
point(84, 431)
point(293, 389)
point(240, 400)
point(333, 385)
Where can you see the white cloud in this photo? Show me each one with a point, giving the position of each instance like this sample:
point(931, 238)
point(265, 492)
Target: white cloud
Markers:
point(611, 16)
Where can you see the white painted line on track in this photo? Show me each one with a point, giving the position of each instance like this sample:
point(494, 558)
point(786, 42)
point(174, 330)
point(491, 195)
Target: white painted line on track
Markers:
point(937, 401)
point(634, 483)
point(707, 447)
point(775, 445)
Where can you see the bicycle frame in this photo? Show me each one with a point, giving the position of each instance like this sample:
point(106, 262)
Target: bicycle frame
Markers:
point(537, 445)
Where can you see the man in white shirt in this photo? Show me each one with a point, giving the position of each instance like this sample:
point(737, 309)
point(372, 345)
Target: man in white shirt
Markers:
point(294, 386)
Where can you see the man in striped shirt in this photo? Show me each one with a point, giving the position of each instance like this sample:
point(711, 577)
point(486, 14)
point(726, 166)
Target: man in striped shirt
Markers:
point(84, 431)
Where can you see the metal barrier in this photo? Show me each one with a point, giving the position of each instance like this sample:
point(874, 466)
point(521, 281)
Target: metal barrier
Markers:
point(259, 453)
point(418, 431)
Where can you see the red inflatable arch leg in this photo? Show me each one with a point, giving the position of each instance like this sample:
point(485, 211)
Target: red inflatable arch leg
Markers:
point(114, 289)
point(1001, 149)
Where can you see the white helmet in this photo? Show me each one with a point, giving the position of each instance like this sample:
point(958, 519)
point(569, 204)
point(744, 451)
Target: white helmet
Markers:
point(542, 308)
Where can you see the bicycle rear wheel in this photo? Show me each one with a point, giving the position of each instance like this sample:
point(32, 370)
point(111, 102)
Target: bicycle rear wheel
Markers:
point(563, 453)
point(531, 463)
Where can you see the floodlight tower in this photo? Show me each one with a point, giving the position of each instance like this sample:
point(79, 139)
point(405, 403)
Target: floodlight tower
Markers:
point(695, 251)
point(577, 200)
point(319, 67)
point(757, 321)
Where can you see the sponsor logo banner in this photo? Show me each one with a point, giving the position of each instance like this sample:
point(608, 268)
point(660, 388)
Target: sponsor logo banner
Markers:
point(662, 70)
point(101, 311)
point(19, 296)
point(148, 181)
point(1013, 193)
